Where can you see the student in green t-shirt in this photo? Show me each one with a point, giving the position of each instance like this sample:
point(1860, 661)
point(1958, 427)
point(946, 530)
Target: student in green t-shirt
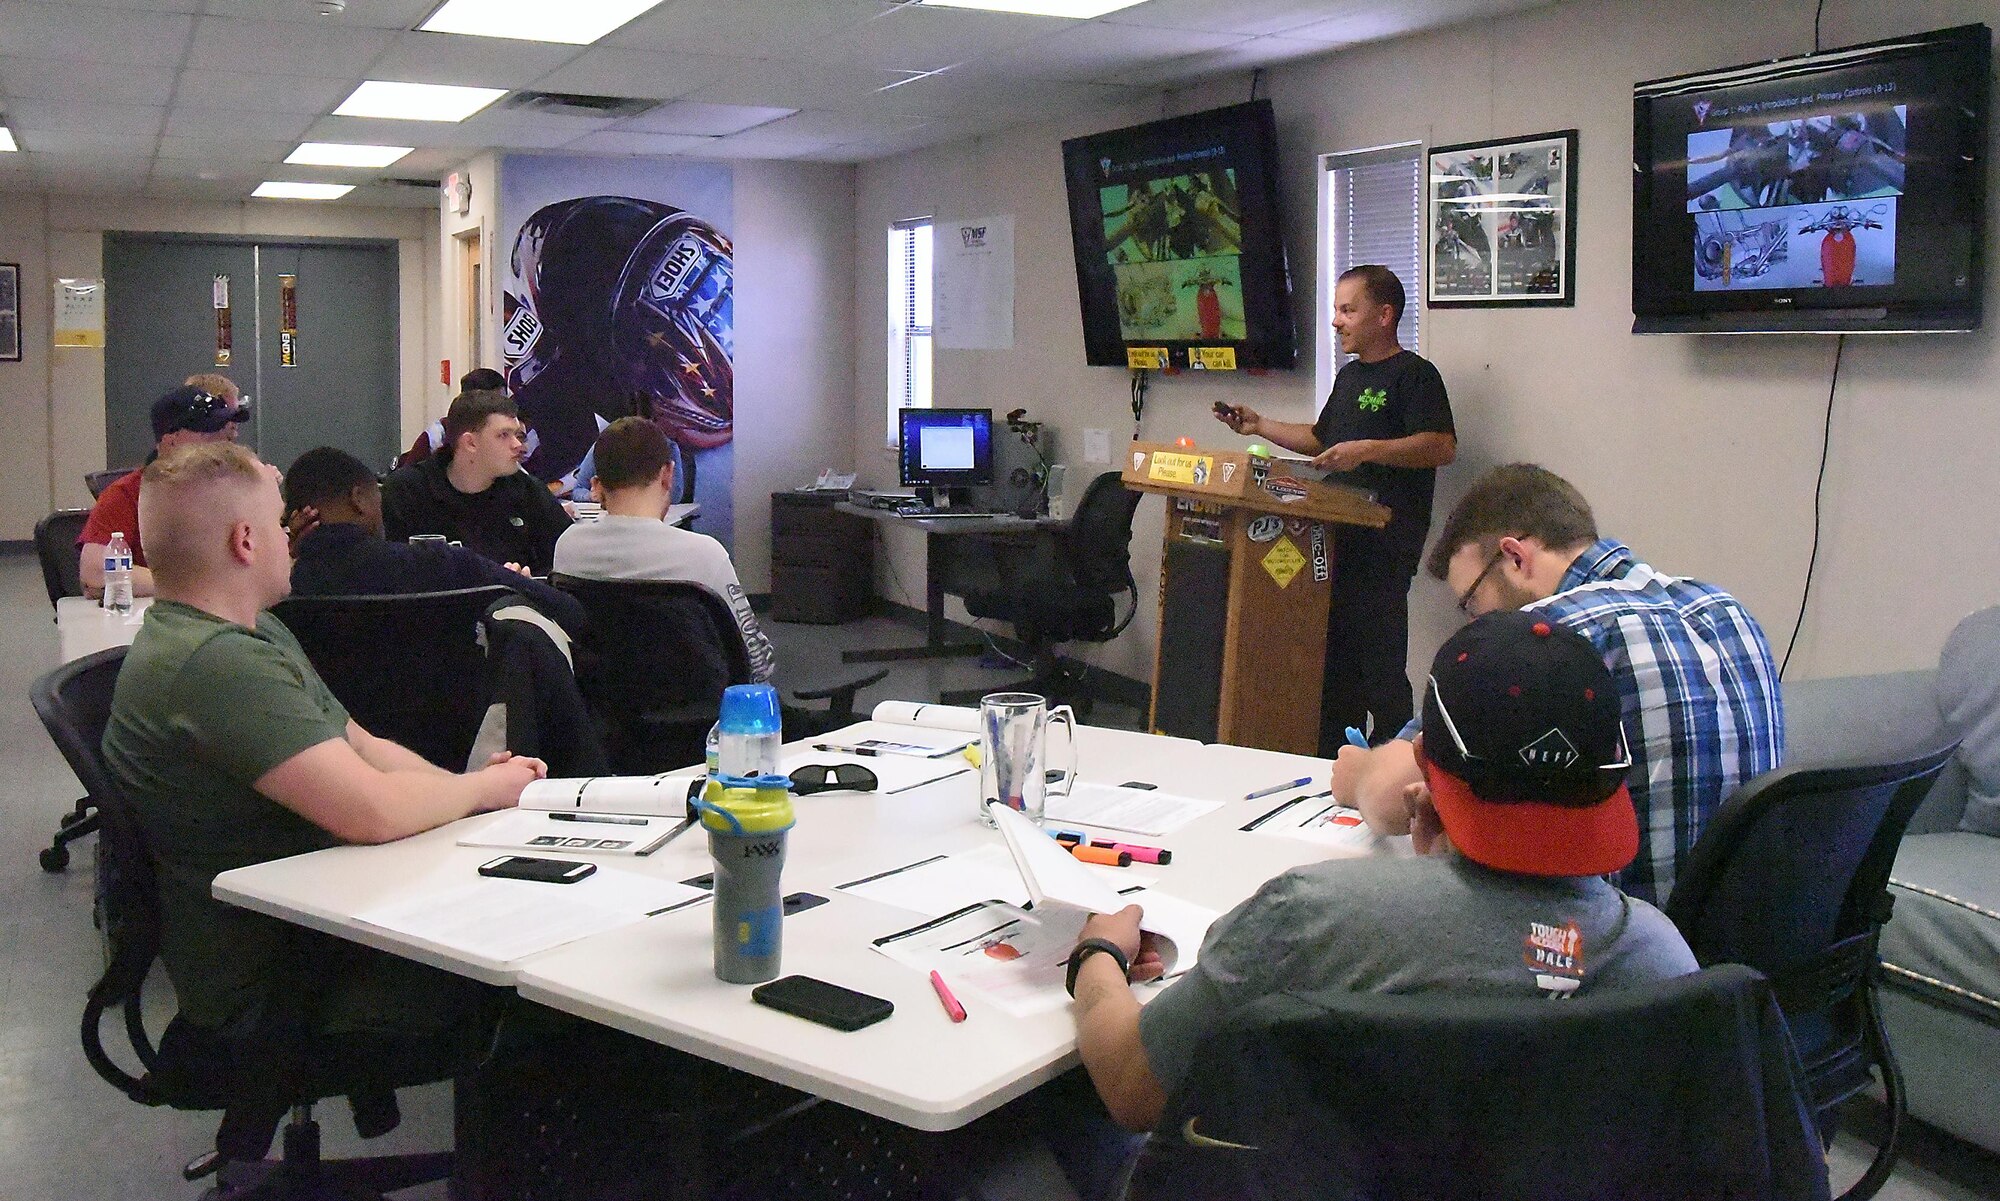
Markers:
point(234, 752)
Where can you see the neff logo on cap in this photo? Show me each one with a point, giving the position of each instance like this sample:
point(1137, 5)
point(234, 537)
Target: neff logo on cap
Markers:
point(1551, 750)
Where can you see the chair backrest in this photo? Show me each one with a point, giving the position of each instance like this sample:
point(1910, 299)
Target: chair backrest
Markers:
point(1684, 1088)
point(657, 645)
point(1791, 877)
point(74, 703)
point(1099, 542)
point(410, 668)
point(98, 481)
point(55, 544)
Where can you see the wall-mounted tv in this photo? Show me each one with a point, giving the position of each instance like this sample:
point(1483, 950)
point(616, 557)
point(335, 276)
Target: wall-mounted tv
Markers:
point(1176, 231)
point(1836, 192)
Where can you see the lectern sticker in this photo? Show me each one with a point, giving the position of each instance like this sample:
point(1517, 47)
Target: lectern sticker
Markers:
point(1266, 528)
point(1171, 468)
point(1285, 488)
point(1283, 561)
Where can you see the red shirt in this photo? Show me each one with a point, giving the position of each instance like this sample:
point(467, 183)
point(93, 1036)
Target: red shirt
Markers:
point(116, 510)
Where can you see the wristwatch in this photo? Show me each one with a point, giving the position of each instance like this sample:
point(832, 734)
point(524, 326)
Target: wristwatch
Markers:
point(1085, 950)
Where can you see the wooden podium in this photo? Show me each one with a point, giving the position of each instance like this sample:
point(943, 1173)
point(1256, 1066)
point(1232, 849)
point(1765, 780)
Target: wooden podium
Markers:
point(1245, 581)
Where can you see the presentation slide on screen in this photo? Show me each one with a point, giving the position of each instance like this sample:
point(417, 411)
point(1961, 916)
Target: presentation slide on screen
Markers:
point(1794, 198)
point(1175, 245)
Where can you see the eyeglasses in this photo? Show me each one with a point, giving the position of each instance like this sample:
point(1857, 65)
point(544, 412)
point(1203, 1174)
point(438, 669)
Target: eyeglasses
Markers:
point(833, 777)
point(1451, 727)
point(1465, 598)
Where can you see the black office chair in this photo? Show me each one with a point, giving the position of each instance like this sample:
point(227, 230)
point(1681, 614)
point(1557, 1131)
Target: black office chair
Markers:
point(409, 668)
point(1067, 593)
point(1791, 877)
point(655, 662)
point(98, 481)
point(55, 544)
point(179, 1070)
point(1685, 1088)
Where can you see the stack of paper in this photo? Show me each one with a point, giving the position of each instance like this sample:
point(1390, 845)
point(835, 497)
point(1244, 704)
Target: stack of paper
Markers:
point(508, 920)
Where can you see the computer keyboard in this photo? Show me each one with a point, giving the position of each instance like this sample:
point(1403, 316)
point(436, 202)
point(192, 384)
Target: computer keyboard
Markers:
point(927, 512)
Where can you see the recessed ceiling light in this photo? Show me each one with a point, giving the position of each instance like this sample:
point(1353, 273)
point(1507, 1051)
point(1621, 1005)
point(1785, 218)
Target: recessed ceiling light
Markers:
point(341, 154)
point(280, 190)
point(576, 22)
point(1080, 9)
point(416, 101)
point(7, 140)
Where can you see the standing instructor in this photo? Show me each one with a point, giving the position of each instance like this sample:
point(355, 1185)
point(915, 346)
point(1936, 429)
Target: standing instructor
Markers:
point(1386, 428)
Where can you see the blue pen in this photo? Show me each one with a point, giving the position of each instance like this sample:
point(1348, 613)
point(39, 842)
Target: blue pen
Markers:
point(1274, 789)
point(1357, 738)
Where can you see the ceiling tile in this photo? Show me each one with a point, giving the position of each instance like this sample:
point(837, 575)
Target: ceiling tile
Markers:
point(371, 132)
point(1373, 22)
point(152, 6)
point(285, 47)
point(211, 190)
point(267, 93)
point(746, 28)
point(427, 162)
point(108, 35)
point(224, 152)
point(184, 122)
point(914, 38)
point(840, 128)
point(1241, 56)
point(619, 141)
point(1097, 51)
point(127, 119)
point(85, 141)
point(255, 171)
point(715, 120)
point(1245, 16)
point(388, 195)
point(379, 14)
point(648, 74)
point(49, 79)
point(418, 57)
point(793, 84)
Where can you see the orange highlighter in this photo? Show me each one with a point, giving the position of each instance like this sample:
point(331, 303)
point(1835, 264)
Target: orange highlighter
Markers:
point(1103, 855)
point(951, 1006)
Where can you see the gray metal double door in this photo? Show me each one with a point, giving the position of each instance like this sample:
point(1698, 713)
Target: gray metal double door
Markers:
point(160, 328)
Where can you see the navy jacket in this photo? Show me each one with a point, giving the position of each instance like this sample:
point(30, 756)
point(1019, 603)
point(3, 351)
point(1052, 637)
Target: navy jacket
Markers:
point(339, 559)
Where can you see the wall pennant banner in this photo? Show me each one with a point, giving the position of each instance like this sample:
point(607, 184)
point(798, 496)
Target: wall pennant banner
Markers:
point(224, 335)
point(288, 322)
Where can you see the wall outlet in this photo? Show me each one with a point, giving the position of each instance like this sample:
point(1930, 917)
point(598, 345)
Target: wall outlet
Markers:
point(1097, 447)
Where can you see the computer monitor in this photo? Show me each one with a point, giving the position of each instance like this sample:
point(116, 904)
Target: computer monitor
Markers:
point(945, 451)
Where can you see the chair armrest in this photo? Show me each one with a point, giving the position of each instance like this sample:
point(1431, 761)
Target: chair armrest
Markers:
point(840, 697)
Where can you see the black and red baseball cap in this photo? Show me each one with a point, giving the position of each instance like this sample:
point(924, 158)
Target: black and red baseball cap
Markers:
point(1524, 752)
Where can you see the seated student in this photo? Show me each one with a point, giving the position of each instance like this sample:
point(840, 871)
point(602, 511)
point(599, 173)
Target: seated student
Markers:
point(233, 752)
point(479, 379)
point(632, 541)
point(1523, 812)
point(335, 503)
point(1694, 674)
point(474, 491)
point(207, 408)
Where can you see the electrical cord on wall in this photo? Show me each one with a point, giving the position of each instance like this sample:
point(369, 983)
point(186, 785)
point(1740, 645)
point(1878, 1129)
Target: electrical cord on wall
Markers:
point(1139, 385)
point(1819, 10)
point(1819, 485)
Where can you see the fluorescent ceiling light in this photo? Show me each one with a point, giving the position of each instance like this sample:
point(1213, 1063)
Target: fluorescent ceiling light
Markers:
point(280, 190)
point(340, 154)
point(416, 101)
point(7, 140)
point(576, 22)
point(1080, 9)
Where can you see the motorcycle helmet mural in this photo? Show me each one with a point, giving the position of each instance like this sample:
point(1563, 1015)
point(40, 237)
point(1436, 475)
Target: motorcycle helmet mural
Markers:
point(618, 299)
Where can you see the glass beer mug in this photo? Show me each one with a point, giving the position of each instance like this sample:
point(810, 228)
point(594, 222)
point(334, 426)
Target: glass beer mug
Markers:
point(1013, 752)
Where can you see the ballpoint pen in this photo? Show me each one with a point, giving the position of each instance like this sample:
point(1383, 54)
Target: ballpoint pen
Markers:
point(607, 819)
point(1274, 789)
point(950, 1003)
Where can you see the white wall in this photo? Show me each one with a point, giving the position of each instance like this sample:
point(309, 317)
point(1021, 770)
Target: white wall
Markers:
point(1700, 452)
point(52, 402)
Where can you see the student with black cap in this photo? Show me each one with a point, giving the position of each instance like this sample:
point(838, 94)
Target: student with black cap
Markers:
point(199, 411)
point(1522, 813)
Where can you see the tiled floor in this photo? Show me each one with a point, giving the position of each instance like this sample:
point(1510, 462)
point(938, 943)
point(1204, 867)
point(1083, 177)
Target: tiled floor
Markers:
point(66, 1134)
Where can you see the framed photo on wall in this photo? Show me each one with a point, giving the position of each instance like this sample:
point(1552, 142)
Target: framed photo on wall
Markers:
point(1500, 228)
point(10, 312)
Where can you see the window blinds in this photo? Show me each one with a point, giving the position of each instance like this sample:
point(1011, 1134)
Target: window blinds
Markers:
point(909, 318)
point(1377, 217)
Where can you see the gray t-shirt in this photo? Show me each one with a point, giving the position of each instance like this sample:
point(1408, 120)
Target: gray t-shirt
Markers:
point(1438, 923)
point(638, 548)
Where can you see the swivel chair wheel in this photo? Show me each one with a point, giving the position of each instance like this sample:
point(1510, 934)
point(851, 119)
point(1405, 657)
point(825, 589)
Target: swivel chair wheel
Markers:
point(55, 858)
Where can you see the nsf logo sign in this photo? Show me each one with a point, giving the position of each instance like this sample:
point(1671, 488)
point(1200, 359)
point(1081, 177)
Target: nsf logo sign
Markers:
point(974, 236)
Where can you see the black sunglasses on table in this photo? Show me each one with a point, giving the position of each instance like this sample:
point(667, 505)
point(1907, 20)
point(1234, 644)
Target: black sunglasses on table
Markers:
point(833, 777)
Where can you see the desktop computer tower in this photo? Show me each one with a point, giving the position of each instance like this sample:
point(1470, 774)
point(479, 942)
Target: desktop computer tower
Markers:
point(1018, 470)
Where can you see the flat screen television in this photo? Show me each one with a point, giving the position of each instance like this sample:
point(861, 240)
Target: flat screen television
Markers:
point(1836, 192)
point(1175, 224)
point(943, 452)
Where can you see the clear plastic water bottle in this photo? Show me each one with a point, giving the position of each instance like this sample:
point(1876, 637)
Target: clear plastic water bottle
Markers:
point(749, 733)
point(714, 745)
point(118, 575)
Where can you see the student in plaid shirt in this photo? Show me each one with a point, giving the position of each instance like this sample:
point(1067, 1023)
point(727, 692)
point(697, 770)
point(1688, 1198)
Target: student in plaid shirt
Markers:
point(1694, 673)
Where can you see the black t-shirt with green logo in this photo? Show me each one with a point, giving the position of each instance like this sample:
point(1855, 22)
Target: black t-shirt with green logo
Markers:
point(1393, 398)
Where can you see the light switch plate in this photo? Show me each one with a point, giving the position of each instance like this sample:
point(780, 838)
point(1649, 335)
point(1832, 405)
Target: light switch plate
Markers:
point(1097, 446)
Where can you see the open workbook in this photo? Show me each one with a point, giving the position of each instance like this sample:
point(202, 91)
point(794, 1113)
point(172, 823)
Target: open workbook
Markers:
point(1013, 955)
point(614, 815)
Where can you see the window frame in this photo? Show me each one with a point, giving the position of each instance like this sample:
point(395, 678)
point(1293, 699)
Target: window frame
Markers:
point(904, 301)
point(1326, 354)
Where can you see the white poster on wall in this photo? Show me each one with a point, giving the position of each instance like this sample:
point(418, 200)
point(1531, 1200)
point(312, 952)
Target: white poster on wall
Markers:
point(972, 282)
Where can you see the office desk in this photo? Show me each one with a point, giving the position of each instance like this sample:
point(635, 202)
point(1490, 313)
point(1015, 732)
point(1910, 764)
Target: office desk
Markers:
point(87, 627)
point(654, 979)
point(957, 557)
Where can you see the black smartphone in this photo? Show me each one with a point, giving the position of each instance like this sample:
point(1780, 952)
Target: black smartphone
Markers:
point(1224, 410)
point(547, 871)
point(799, 902)
point(818, 1001)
